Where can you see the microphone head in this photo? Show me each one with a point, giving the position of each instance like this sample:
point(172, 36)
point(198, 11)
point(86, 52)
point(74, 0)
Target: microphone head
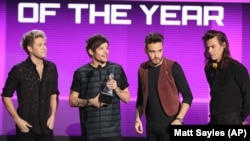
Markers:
point(90, 74)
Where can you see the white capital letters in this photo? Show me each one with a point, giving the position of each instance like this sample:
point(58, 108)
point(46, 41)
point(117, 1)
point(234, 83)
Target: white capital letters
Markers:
point(44, 11)
point(105, 14)
point(78, 8)
point(149, 12)
point(165, 15)
point(186, 16)
point(115, 14)
point(218, 17)
point(22, 18)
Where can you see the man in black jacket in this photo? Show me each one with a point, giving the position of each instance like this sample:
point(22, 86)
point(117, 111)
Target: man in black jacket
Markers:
point(228, 80)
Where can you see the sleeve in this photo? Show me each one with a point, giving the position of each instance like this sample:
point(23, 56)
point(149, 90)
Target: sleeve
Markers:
point(139, 100)
point(76, 83)
point(244, 84)
point(11, 83)
point(124, 80)
point(182, 84)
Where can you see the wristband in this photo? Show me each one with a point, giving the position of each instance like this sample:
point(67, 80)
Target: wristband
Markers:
point(180, 119)
point(87, 103)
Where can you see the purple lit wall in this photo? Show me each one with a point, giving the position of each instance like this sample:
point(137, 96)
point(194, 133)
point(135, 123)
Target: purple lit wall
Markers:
point(67, 33)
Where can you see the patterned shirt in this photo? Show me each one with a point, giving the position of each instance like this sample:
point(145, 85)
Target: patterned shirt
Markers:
point(33, 94)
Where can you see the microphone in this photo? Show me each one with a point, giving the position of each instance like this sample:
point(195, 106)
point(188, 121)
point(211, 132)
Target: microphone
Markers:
point(99, 70)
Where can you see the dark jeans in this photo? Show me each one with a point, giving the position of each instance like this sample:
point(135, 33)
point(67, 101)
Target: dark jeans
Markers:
point(232, 118)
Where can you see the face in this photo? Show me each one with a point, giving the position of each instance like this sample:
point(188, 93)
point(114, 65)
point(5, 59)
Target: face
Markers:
point(39, 48)
point(100, 56)
point(155, 53)
point(215, 49)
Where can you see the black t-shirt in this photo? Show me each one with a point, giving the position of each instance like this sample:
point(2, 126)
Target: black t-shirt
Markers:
point(156, 117)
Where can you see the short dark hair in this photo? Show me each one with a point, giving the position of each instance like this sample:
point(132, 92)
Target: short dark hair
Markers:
point(153, 37)
point(94, 42)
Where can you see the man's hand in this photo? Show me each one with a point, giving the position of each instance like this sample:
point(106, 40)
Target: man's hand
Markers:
point(23, 125)
point(138, 126)
point(95, 102)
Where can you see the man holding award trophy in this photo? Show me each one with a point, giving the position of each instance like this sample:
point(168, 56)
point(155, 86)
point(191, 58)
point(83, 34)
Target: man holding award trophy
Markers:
point(97, 89)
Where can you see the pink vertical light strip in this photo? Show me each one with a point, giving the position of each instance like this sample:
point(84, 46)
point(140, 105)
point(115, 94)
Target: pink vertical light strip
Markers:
point(234, 35)
point(2, 54)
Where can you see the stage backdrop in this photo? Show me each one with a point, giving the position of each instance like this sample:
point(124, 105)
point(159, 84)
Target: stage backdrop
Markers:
point(69, 23)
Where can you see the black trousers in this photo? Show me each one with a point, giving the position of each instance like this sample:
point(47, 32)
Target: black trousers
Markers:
point(35, 138)
point(158, 134)
point(231, 118)
point(30, 136)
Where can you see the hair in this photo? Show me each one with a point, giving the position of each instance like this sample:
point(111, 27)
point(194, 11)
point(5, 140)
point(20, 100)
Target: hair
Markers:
point(94, 42)
point(222, 38)
point(153, 37)
point(29, 38)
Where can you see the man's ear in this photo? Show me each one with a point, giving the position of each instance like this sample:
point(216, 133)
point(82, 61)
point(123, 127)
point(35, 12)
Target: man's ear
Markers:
point(29, 48)
point(91, 52)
